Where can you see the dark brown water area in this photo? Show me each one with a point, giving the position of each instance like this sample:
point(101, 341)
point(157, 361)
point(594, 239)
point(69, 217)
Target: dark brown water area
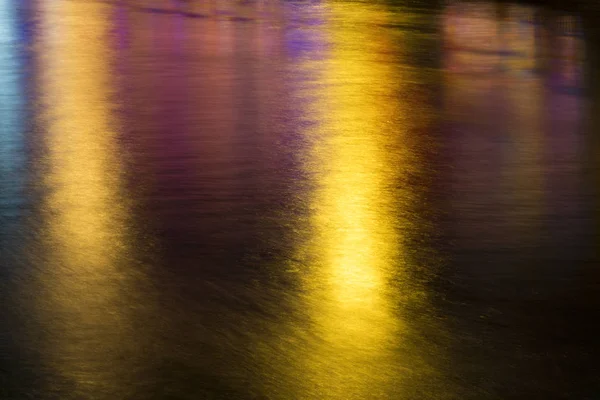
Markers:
point(297, 200)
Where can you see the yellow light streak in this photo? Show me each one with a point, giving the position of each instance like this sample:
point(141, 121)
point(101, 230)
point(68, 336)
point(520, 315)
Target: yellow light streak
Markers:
point(85, 294)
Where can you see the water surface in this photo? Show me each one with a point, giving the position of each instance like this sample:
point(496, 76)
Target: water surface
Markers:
point(299, 200)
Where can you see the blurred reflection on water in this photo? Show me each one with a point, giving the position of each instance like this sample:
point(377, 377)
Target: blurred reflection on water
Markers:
point(83, 287)
point(12, 119)
point(326, 200)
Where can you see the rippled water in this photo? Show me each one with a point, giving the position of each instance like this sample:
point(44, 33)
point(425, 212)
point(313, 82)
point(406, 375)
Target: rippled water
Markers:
point(315, 200)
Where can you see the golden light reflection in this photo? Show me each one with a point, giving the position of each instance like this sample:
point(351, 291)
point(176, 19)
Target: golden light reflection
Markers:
point(85, 292)
point(359, 155)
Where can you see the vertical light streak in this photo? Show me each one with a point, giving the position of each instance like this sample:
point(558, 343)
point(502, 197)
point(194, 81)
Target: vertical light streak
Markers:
point(86, 292)
point(355, 259)
point(12, 109)
point(525, 192)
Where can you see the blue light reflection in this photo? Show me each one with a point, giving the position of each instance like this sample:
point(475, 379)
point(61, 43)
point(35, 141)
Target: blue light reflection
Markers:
point(12, 117)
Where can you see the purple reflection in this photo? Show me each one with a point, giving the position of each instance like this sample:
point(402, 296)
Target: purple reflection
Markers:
point(303, 39)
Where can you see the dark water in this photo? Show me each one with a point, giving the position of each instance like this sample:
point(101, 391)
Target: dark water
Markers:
point(317, 200)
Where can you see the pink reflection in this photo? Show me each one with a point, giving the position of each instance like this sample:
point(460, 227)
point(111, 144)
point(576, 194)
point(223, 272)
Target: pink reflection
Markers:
point(513, 39)
point(512, 82)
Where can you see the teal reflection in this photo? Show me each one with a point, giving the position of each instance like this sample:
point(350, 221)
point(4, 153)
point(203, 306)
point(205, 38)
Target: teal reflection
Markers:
point(12, 117)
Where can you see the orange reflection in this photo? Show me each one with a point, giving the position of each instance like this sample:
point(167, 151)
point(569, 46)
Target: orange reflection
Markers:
point(86, 288)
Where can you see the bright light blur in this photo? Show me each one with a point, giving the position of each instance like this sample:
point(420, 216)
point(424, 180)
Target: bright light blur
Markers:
point(83, 293)
point(359, 152)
